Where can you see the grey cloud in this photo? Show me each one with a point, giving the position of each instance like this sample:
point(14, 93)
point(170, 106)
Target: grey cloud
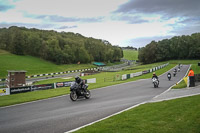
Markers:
point(27, 25)
point(130, 19)
point(186, 29)
point(56, 18)
point(168, 8)
point(143, 41)
point(67, 27)
point(4, 8)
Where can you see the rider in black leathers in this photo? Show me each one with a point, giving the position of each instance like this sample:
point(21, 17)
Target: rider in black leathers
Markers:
point(80, 83)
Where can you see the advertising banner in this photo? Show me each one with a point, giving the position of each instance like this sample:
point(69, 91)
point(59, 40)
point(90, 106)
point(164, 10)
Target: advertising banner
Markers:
point(60, 84)
point(132, 75)
point(42, 87)
point(63, 84)
point(124, 77)
point(67, 84)
point(137, 74)
point(4, 91)
point(20, 89)
point(93, 80)
point(145, 72)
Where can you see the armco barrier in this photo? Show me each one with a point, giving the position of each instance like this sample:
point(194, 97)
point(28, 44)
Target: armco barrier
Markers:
point(51, 74)
point(126, 76)
point(40, 75)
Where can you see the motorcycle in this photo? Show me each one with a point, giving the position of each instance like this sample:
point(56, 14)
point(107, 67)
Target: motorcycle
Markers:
point(76, 92)
point(169, 76)
point(155, 82)
point(174, 73)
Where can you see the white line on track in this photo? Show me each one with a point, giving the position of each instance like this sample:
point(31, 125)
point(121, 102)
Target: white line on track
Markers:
point(76, 129)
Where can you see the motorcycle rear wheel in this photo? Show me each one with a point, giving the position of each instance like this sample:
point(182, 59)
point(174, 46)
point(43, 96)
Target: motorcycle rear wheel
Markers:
point(73, 96)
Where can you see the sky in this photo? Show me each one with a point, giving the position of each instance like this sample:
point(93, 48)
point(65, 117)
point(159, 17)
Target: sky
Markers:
point(121, 22)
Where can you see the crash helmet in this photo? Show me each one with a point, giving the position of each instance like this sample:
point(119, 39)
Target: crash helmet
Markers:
point(77, 78)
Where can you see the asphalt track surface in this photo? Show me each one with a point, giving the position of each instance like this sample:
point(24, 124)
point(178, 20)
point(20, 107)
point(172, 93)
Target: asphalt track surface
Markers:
point(60, 114)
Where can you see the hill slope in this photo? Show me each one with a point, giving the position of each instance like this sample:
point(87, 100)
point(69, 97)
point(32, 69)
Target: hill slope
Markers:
point(57, 47)
point(130, 54)
point(32, 65)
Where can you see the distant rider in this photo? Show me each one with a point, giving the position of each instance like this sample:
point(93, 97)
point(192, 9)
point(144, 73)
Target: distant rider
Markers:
point(175, 70)
point(155, 76)
point(169, 76)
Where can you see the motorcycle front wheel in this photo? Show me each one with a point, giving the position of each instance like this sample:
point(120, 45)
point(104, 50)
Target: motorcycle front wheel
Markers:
point(73, 96)
point(155, 85)
point(87, 95)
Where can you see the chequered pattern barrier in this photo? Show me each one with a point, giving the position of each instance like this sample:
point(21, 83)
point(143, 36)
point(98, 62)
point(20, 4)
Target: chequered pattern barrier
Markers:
point(51, 74)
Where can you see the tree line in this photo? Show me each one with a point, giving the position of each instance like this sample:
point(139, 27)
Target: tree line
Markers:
point(57, 47)
point(178, 47)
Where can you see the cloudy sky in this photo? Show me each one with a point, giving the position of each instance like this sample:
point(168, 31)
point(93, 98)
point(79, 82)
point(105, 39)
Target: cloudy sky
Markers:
point(121, 22)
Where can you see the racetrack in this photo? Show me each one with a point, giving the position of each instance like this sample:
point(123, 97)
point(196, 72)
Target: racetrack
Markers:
point(60, 114)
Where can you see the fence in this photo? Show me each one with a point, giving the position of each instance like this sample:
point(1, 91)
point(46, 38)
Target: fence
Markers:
point(131, 75)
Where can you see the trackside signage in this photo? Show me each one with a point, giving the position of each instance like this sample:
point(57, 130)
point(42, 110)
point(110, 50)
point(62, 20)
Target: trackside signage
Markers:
point(20, 89)
point(42, 87)
point(63, 84)
point(4, 91)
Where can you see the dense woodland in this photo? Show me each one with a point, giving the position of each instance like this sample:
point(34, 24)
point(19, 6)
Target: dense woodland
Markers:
point(178, 47)
point(58, 47)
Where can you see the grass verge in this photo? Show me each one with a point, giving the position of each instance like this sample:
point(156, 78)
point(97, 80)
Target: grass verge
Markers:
point(174, 116)
point(181, 85)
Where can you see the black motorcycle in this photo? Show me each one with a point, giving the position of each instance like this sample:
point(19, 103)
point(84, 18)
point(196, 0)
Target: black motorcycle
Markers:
point(174, 73)
point(77, 92)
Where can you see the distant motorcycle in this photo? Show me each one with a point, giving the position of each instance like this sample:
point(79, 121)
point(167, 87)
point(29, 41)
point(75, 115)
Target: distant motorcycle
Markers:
point(77, 92)
point(174, 73)
point(155, 82)
point(169, 76)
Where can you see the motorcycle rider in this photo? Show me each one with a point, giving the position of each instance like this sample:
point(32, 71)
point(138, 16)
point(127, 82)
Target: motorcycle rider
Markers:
point(174, 72)
point(169, 76)
point(155, 76)
point(80, 82)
